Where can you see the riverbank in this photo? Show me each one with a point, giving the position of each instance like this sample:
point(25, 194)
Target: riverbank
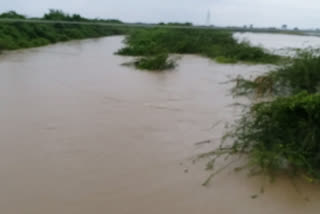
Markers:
point(18, 35)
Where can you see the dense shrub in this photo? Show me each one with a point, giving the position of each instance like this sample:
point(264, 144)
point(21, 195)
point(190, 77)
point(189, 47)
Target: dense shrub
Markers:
point(283, 134)
point(302, 73)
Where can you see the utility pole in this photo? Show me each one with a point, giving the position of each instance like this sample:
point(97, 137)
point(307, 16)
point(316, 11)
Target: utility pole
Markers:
point(208, 19)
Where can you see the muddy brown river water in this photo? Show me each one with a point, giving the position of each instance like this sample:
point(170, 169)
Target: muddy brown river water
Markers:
point(80, 134)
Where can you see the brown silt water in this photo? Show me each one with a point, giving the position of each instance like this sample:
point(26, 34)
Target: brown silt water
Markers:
point(80, 134)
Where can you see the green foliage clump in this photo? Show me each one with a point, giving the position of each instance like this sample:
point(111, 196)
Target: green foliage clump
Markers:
point(16, 35)
point(11, 15)
point(282, 135)
point(60, 15)
point(302, 73)
point(216, 44)
point(158, 62)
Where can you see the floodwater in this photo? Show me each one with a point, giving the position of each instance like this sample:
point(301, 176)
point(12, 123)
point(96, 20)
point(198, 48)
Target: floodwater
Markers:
point(279, 43)
point(80, 133)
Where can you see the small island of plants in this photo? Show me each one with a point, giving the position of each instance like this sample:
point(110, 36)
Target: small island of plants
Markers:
point(215, 44)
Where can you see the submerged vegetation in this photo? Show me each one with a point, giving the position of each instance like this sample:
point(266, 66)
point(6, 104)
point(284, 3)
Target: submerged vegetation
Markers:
point(156, 63)
point(16, 35)
point(215, 44)
point(283, 133)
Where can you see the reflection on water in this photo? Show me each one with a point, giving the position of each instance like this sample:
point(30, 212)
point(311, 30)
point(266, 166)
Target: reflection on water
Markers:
point(82, 134)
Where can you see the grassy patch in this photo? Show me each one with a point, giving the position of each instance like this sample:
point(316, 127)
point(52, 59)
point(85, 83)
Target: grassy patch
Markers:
point(215, 44)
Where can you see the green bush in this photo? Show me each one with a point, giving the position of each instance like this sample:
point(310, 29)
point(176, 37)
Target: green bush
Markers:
point(282, 135)
point(302, 73)
point(158, 62)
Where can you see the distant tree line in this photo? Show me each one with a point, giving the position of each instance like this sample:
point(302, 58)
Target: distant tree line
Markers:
point(15, 35)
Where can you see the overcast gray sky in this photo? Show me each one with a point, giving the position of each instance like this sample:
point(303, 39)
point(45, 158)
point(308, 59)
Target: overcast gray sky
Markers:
point(300, 13)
